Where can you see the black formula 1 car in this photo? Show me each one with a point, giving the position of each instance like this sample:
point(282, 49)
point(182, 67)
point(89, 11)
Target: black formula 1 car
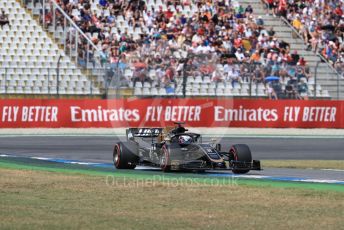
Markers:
point(175, 149)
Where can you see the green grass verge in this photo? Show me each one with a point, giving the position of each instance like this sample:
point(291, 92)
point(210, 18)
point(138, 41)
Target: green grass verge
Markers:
point(304, 164)
point(183, 178)
point(35, 197)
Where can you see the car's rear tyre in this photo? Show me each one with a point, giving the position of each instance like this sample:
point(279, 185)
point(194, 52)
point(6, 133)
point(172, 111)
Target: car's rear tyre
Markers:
point(125, 155)
point(240, 152)
point(165, 160)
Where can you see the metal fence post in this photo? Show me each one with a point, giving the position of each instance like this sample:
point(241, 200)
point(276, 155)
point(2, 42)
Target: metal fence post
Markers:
point(48, 85)
point(338, 88)
point(6, 81)
point(65, 35)
point(76, 46)
point(184, 76)
point(315, 79)
point(70, 44)
point(54, 20)
point(43, 19)
point(87, 55)
point(58, 76)
point(91, 82)
point(250, 88)
point(117, 78)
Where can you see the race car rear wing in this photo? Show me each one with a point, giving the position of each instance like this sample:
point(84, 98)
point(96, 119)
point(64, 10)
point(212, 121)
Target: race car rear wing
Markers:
point(144, 132)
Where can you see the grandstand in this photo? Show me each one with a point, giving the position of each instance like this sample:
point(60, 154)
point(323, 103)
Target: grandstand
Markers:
point(326, 73)
point(157, 48)
point(29, 58)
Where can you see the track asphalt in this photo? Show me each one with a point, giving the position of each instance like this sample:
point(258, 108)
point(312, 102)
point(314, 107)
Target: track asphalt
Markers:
point(90, 149)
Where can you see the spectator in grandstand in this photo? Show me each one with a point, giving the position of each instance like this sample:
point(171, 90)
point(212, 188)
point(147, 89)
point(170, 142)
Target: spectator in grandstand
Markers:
point(270, 88)
point(308, 72)
point(140, 73)
point(121, 63)
point(4, 19)
point(319, 23)
point(245, 74)
point(103, 3)
point(104, 56)
point(330, 52)
point(260, 22)
point(271, 7)
point(271, 32)
point(258, 75)
point(222, 28)
point(339, 66)
point(302, 89)
point(240, 55)
point(157, 62)
point(304, 32)
point(170, 77)
point(217, 76)
point(301, 62)
point(284, 47)
point(297, 22)
point(233, 74)
point(255, 57)
point(300, 73)
point(315, 41)
point(282, 8)
point(295, 58)
point(291, 88)
point(248, 10)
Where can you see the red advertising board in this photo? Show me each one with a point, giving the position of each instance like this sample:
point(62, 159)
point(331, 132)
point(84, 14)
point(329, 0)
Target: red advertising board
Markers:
point(162, 112)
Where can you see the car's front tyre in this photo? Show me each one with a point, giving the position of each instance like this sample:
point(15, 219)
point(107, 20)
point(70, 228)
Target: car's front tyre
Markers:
point(240, 152)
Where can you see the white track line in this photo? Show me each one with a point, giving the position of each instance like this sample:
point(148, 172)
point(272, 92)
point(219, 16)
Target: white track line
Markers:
point(336, 170)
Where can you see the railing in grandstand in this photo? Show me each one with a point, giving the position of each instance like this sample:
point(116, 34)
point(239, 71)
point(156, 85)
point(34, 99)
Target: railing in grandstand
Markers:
point(48, 81)
point(75, 42)
point(141, 69)
point(332, 72)
point(283, 20)
point(195, 75)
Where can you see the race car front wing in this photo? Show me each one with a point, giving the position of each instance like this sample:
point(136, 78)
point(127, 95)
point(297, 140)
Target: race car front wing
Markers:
point(202, 165)
point(240, 165)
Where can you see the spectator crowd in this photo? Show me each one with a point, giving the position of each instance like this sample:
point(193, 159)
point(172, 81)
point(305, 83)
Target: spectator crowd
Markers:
point(320, 23)
point(165, 34)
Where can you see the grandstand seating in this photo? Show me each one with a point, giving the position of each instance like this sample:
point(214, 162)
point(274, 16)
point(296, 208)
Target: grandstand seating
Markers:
point(192, 88)
point(28, 58)
point(25, 44)
point(326, 75)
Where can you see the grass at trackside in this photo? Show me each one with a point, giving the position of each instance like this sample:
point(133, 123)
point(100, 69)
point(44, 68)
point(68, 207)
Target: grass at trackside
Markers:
point(17, 163)
point(304, 164)
point(36, 199)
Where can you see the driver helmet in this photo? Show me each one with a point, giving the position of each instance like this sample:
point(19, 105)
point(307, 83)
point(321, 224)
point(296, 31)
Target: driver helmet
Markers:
point(185, 140)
